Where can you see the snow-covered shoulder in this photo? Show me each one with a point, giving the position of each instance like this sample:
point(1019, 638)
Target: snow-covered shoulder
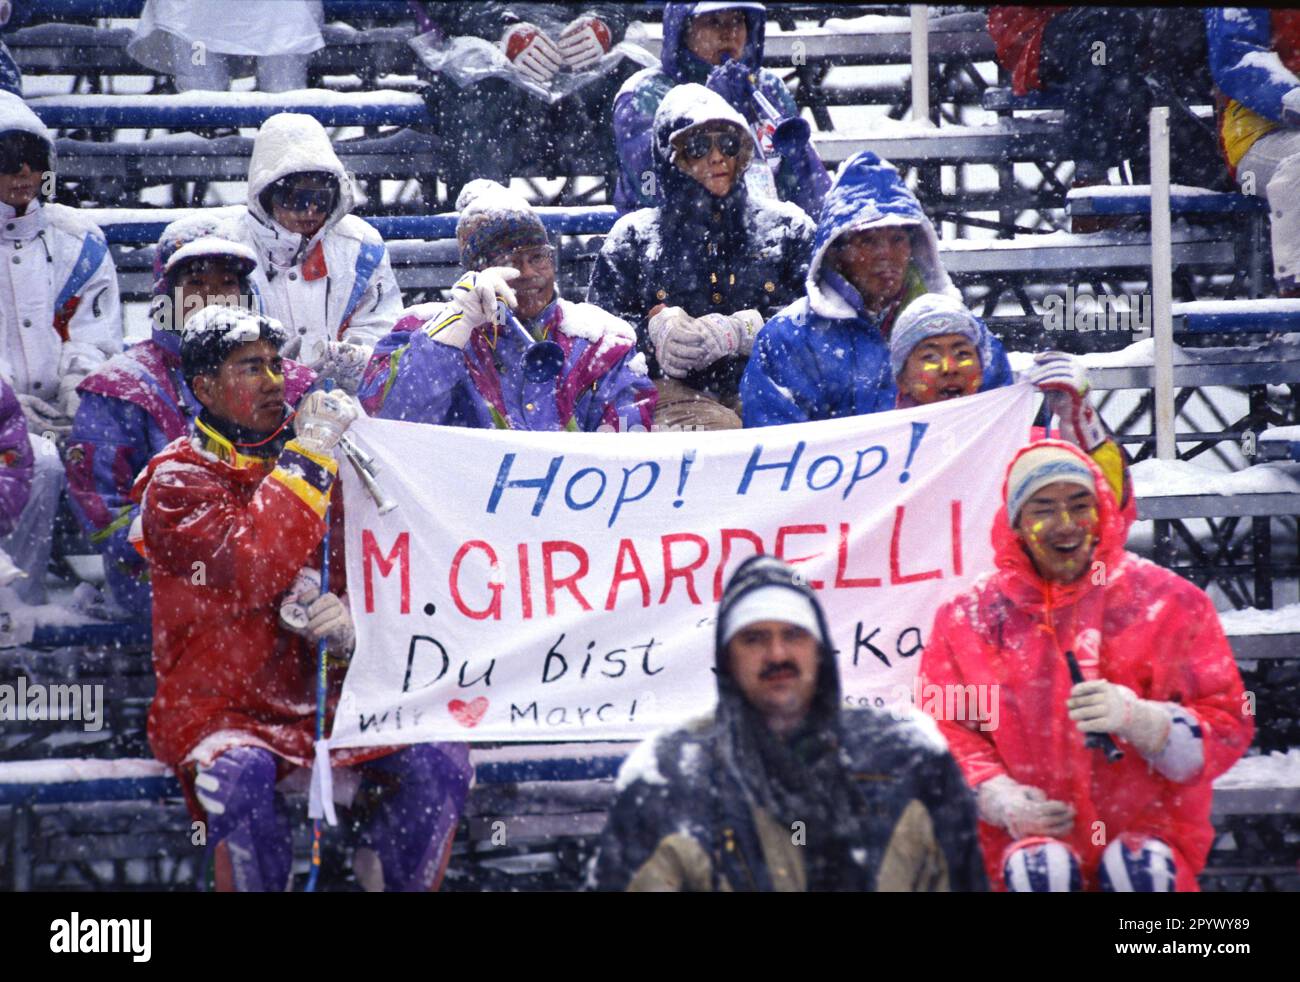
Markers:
point(594, 324)
point(71, 220)
point(642, 764)
point(356, 227)
point(636, 232)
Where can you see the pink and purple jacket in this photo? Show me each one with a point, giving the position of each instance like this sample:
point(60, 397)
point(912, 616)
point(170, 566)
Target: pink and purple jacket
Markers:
point(602, 385)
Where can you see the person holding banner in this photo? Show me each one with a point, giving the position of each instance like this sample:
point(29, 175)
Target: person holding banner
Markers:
point(137, 403)
point(231, 518)
point(779, 789)
point(938, 350)
point(700, 274)
point(827, 354)
point(1090, 649)
point(508, 351)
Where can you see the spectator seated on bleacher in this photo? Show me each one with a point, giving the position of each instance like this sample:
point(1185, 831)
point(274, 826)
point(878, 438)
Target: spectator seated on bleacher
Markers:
point(138, 403)
point(193, 40)
point(1135, 658)
point(60, 319)
point(321, 271)
point(246, 500)
point(700, 274)
point(827, 354)
point(720, 45)
point(708, 807)
point(457, 364)
point(1255, 59)
point(496, 128)
point(1110, 66)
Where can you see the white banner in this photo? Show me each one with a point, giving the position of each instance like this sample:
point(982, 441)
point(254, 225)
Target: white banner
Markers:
point(561, 586)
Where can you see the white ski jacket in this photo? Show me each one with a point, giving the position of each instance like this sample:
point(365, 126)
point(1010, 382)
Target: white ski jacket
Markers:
point(336, 286)
point(60, 311)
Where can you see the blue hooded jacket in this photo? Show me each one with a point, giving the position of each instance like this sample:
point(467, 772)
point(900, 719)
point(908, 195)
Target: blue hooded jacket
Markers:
point(639, 98)
point(825, 356)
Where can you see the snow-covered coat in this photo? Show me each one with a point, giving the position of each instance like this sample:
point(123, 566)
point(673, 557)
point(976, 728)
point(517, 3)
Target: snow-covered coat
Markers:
point(692, 814)
point(60, 313)
point(700, 252)
point(338, 285)
point(1255, 61)
point(224, 535)
point(602, 385)
point(825, 356)
point(639, 98)
point(235, 27)
point(1137, 625)
point(17, 460)
point(1017, 34)
point(131, 408)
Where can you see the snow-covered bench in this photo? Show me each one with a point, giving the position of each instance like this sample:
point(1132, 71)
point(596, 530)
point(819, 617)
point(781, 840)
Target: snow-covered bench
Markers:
point(536, 796)
point(382, 107)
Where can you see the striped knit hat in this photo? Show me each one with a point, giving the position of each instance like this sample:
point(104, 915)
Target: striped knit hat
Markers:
point(494, 219)
point(1038, 467)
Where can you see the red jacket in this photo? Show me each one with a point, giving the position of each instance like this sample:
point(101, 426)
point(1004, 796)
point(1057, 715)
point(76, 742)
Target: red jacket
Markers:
point(224, 535)
point(1141, 626)
point(1017, 34)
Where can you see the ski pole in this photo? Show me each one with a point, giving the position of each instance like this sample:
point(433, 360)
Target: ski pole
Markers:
point(322, 671)
point(1094, 741)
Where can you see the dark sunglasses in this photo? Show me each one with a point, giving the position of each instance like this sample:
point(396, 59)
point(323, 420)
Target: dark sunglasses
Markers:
point(700, 145)
point(303, 199)
point(23, 148)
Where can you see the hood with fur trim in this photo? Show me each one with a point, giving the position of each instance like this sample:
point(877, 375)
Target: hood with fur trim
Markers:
point(870, 193)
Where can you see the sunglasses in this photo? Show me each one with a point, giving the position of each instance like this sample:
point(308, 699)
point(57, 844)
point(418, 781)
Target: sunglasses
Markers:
point(699, 145)
point(303, 199)
point(25, 149)
point(538, 257)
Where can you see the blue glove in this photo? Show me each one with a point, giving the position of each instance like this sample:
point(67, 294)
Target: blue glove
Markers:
point(732, 81)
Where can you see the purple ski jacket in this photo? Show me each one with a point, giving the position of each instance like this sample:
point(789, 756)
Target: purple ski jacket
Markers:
point(17, 461)
point(601, 386)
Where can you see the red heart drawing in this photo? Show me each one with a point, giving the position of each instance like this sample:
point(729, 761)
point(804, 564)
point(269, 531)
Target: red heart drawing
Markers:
point(468, 713)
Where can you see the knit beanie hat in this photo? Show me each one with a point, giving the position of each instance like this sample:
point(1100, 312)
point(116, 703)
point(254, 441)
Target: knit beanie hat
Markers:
point(929, 316)
point(1040, 466)
point(494, 219)
point(209, 337)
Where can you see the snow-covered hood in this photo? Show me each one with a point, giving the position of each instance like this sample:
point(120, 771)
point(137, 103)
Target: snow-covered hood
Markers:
point(290, 143)
point(676, 58)
point(15, 115)
point(683, 107)
point(869, 193)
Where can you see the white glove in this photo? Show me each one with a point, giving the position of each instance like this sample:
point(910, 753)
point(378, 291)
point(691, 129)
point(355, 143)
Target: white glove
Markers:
point(69, 399)
point(330, 620)
point(1291, 107)
point(322, 419)
point(675, 346)
point(584, 41)
point(733, 334)
point(473, 304)
point(44, 418)
point(533, 54)
point(344, 362)
point(1063, 380)
point(1022, 810)
point(1104, 707)
point(293, 605)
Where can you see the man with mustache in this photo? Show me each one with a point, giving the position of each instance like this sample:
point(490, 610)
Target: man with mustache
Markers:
point(1154, 674)
point(779, 788)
